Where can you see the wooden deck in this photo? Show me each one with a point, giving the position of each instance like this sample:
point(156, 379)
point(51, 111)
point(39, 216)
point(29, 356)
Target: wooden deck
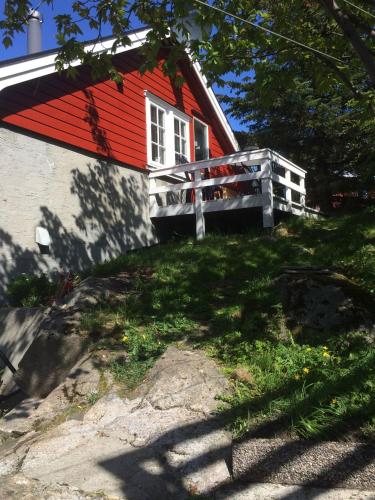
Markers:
point(269, 181)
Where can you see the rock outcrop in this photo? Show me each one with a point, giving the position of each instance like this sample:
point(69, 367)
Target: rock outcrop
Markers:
point(166, 442)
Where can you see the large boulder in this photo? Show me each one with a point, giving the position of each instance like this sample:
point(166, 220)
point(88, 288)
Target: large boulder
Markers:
point(164, 443)
point(323, 300)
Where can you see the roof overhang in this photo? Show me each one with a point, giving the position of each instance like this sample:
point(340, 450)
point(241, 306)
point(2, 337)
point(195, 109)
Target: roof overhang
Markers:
point(29, 68)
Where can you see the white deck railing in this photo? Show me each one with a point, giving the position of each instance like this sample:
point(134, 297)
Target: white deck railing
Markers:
point(275, 183)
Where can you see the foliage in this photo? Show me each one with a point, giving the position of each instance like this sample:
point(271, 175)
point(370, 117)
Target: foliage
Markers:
point(28, 290)
point(322, 131)
point(345, 33)
point(316, 104)
point(219, 295)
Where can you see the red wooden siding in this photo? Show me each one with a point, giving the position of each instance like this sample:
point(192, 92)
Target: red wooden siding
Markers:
point(100, 117)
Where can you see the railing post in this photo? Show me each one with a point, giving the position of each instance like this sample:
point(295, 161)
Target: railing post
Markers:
point(303, 196)
point(267, 193)
point(288, 190)
point(200, 224)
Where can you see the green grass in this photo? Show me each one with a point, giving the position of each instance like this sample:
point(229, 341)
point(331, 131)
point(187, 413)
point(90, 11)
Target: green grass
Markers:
point(219, 295)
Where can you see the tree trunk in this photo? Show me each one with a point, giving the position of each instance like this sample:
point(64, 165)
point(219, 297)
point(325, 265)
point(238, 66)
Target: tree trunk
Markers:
point(351, 34)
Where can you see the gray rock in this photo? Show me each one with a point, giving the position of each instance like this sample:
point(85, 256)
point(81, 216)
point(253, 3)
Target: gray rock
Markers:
point(84, 380)
point(322, 300)
point(19, 486)
point(18, 328)
point(48, 361)
point(184, 378)
point(148, 447)
point(337, 464)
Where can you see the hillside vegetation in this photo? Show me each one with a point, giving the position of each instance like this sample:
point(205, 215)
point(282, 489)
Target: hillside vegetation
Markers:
point(220, 295)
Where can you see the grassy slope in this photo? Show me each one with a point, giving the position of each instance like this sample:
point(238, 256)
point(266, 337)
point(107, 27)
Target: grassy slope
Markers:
point(219, 295)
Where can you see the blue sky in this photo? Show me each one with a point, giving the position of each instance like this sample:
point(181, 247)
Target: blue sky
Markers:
point(19, 47)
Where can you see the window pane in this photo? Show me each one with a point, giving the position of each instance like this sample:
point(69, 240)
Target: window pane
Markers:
point(161, 136)
point(154, 148)
point(153, 114)
point(154, 133)
point(183, 147)
point(183, 129)
point(161, 117)
point(161, 155)
point(176, 144)
point(176, 126)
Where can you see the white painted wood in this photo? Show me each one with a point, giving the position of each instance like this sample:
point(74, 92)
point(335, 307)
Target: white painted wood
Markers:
point(303, 197)
point(170, 112)
point(200, 225)
point(288, 191)
point(290, 184)
point(242, 156)
point(284, 162)
point(41, 65)
point(267, 192)
point(214, 181)
point(248, 201)
point(266, 200)
point(174, 210)
point(153, 204)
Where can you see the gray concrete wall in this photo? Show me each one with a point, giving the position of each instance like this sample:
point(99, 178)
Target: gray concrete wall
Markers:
point(93, 209)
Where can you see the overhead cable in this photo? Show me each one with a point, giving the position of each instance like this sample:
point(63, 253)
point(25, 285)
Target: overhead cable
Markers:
point(359, 8)
point(279, 35)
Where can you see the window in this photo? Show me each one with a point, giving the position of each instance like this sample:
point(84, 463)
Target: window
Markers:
point(167, 133)
point(200, 141)
point(180, 141)
point(157, 134)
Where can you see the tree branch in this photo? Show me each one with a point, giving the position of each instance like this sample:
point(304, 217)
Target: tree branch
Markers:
point(342, 19)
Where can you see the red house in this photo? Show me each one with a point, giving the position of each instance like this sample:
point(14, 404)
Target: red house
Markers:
point(88, 166)
point(76, 154)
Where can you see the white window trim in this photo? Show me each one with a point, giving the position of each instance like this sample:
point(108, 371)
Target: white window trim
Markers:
point(207, 135)
point(170, 113)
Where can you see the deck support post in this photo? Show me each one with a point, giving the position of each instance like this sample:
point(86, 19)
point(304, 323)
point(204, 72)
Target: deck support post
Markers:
point(153, 204)
point(200, 224)
point(267, 194)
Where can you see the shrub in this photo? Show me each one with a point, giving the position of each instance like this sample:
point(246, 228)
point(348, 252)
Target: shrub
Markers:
point(28, 290)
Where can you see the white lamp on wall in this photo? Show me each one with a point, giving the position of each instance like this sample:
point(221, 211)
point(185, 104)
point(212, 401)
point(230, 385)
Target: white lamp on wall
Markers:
point(42, 236)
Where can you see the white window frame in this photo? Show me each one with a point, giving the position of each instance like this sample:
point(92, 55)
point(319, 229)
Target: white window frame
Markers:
point(207, 134)
point(170, 114)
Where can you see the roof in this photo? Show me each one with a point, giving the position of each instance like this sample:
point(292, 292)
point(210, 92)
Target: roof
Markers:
point(22, 69)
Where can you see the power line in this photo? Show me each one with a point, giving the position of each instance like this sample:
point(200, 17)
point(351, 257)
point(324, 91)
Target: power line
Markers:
point(359, 8)
point(258, 26)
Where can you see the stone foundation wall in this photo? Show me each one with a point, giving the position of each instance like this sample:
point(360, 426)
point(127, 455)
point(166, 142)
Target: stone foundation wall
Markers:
point(93, 209)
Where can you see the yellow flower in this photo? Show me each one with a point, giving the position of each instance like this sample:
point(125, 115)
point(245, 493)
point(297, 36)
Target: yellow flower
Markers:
point(306, 370)
point(308, 349)
point(296, 377)
point(326, 354)
point(325, 348)
point(125, 338)
point(334, 401)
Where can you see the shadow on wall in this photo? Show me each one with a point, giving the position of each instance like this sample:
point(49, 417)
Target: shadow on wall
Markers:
point(112, 218)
